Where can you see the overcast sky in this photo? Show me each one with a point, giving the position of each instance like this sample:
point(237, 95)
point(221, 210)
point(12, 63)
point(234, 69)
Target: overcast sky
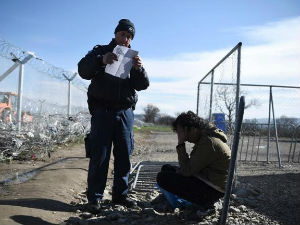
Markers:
point(179, 42)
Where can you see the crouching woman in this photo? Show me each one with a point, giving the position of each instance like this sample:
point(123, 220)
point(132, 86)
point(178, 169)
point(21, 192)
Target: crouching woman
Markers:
point(202, 174)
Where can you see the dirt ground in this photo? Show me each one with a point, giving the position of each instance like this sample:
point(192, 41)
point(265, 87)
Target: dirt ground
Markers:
point(47, 196)
point(44, 199)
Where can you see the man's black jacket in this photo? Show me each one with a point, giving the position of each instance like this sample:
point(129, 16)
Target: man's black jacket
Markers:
point(107, 91)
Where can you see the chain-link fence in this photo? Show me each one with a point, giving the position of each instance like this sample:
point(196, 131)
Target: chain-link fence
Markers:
point(270, 131)
point(223, 99)
point(39, 103)
point(254, 143)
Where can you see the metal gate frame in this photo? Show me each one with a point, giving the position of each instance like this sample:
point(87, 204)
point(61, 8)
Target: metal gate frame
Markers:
point(271, 110)
point(238, 47)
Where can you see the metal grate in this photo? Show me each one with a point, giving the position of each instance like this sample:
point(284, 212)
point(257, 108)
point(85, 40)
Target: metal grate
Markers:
point(145, 174)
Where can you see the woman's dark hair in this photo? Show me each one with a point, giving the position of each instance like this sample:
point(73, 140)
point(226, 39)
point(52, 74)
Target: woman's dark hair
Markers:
point(190, 119)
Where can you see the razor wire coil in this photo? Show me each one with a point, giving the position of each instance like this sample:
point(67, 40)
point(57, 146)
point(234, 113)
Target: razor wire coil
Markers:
point(14, 53)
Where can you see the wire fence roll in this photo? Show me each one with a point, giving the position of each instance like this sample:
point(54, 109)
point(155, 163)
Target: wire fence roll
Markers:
point(39, 103)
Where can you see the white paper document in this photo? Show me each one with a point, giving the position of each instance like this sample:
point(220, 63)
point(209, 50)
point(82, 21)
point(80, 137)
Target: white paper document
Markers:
point(122, 67)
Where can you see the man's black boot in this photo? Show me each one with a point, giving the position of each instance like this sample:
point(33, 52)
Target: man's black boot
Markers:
point(125, 201)
point(94, 206)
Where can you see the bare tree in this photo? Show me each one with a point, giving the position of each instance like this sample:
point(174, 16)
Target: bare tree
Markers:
point(151, 112)
point(287, 121)
point(226, 100)
point(165, 120)
point(286, 126)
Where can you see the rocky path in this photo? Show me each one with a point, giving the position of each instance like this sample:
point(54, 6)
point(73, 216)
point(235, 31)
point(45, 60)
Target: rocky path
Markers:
point(265, 194)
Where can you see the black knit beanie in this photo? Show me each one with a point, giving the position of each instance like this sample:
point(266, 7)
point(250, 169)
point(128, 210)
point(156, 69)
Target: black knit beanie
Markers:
point(126, 25)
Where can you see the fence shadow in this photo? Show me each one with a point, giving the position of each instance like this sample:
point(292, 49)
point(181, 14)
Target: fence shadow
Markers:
point(39, 203)
point(30, 220)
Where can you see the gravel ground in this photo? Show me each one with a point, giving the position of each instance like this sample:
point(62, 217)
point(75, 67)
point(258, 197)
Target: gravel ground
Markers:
point(263, 194)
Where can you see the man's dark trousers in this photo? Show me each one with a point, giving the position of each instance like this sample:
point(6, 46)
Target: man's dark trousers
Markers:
point(107, 127)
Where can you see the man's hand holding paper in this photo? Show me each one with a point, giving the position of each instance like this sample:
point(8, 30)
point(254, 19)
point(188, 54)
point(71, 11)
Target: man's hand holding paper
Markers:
point(137, 62)
point(109, 58)
point(126, 58)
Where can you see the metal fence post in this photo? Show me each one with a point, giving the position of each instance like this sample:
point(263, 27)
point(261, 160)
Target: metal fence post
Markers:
point(269, 128)
point(20, 96)
point(69, 92)
point(41, 107)
point(236, 138)
point(211, 94)
point(295, 141)
point(238, 82)
point(69, 98)
point(276, 134)
point(238, 75)
point(198, 92)
point(19, 63)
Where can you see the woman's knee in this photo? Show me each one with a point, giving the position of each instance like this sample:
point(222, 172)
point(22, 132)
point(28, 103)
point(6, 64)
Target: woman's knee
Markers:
point(161, 179)
point(168, 167)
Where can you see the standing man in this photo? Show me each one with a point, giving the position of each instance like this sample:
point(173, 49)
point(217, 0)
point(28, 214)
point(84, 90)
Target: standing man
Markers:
point(111, 102)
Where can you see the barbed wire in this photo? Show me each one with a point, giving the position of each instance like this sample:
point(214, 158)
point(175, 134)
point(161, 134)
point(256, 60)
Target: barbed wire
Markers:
point(12, 52)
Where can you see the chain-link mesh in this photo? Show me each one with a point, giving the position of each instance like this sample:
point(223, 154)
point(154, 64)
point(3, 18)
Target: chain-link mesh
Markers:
point(214, 99)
